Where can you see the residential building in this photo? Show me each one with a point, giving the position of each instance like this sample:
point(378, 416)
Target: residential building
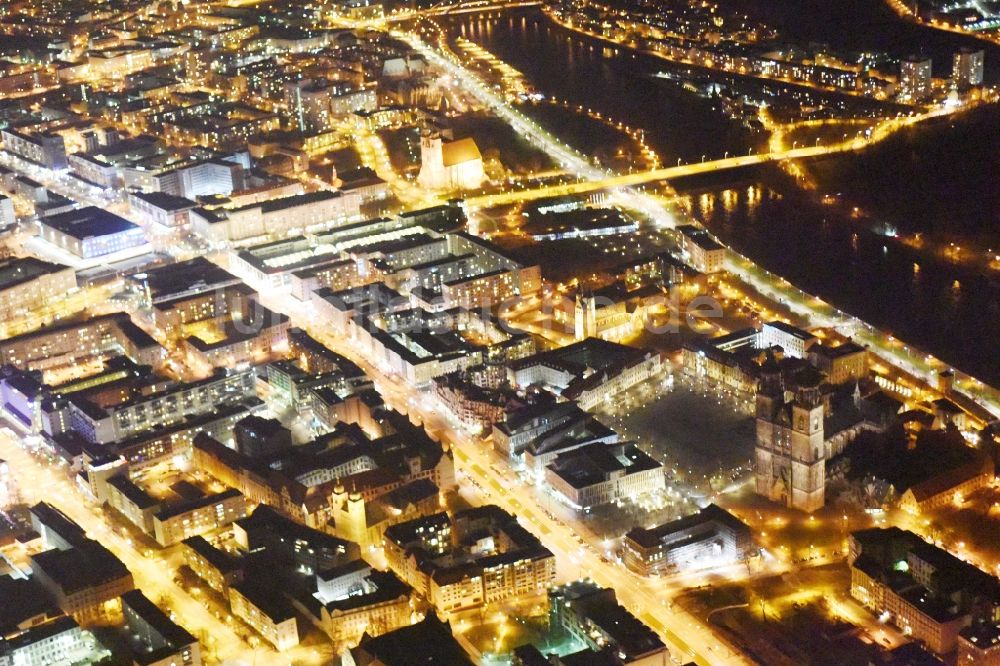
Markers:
point(178, 522)
point(924, 590)
point(42, 148)
point(156, 639)
point(28, 284)
point(85, 580)
point(216, 567)
point(915, 79)
point(479, 556)
point(702, 251)
point(967, 68)
point(592, 615)
point(267, 612)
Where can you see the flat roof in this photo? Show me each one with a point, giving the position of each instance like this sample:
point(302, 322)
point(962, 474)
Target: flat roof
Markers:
point(19, 270)
point(788, 329)
point(165, 282)
point(192, 505)
point(88, 222)
point(165, 201)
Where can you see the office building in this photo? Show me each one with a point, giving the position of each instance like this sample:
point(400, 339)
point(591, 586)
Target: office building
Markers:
point(979, 645)
point(711, 537)
point(57, 641)
point(793, 340)
point(601, 473)
point(356, 599)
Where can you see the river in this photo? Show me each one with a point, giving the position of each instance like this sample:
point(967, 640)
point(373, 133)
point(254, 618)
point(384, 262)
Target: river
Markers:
point(948, 310)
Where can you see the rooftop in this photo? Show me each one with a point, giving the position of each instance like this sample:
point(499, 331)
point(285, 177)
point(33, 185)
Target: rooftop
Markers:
point(19, 270)
point(88, 222)
point(396, 648)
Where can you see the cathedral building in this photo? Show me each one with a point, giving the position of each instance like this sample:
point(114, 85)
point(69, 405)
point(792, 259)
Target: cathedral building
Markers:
point(447, 164)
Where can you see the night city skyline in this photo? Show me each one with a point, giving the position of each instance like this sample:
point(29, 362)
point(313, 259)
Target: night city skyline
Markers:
point(500, 332)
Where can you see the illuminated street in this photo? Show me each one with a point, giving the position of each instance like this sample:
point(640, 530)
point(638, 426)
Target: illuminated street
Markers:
point(498, 334)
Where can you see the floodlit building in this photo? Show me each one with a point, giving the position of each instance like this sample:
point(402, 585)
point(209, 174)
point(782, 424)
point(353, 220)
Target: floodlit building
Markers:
point(841, 364)
point(791, 451)
point(57, 641)
point(601, 473)
point(355, 599)
point(793, 340)
point(449, 164)
point(711, 537)
point(590, 372)
point(91, 232)
point(268, 612)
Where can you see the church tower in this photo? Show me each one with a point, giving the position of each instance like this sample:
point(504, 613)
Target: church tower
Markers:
point(432, 172)
point(808, 453)
point(790, 456)
point(585, 316)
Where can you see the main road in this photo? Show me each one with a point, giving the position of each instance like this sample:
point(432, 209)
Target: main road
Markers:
point(686, 637)
point(153, 573)
point(813, 311)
